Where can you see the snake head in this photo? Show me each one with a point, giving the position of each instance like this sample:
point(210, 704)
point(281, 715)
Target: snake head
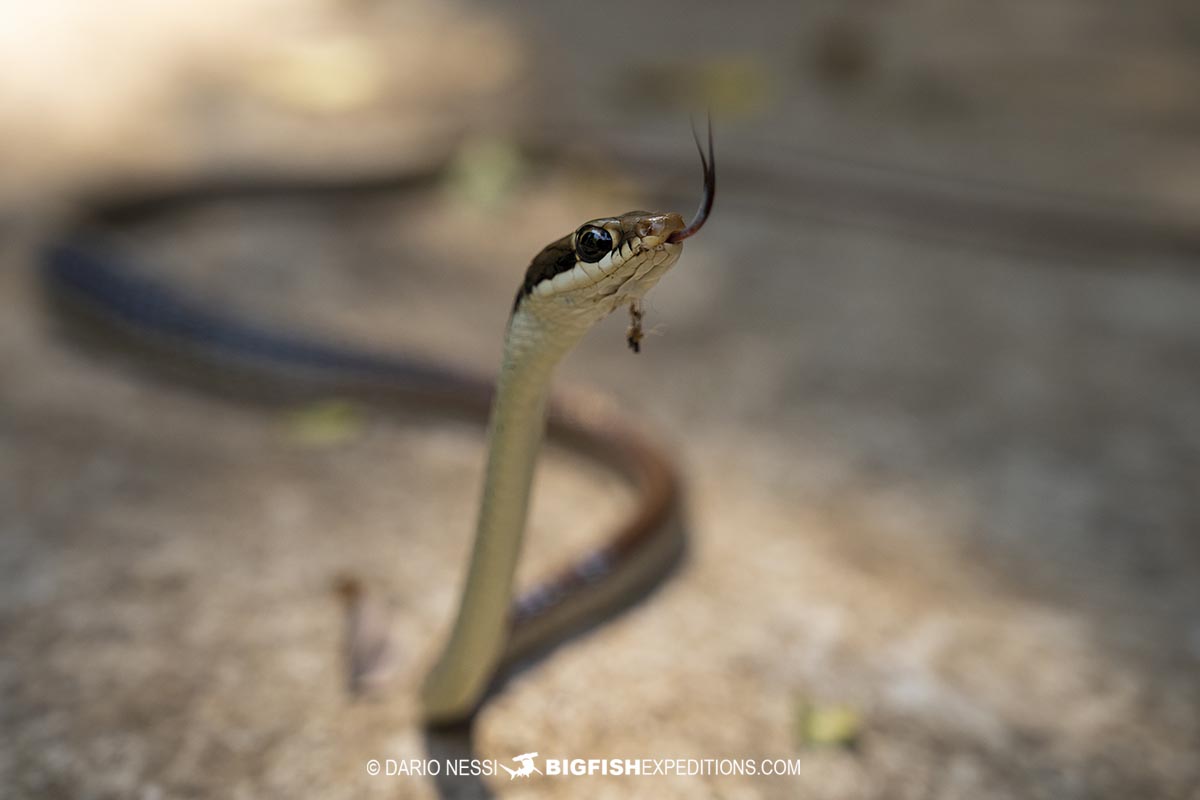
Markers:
point(613, 261)
point(606, 261)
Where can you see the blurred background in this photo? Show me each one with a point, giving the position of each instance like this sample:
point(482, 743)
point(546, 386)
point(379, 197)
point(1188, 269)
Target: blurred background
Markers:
point(932, 372)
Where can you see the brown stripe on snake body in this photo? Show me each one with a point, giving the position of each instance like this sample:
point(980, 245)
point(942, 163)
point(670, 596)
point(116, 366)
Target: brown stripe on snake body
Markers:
point(555, 258)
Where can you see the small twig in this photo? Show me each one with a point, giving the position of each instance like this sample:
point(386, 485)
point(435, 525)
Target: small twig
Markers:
point(634, 335)
point(371, 653)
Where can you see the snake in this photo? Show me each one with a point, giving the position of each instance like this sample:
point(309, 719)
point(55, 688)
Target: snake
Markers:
point(603, 265)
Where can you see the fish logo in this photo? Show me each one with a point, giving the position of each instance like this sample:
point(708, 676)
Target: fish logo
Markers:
point(526, 769)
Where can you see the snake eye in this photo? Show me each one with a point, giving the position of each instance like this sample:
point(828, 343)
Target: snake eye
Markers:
point(593, 243)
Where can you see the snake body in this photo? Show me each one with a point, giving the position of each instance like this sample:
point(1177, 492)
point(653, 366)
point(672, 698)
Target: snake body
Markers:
point(568, 287)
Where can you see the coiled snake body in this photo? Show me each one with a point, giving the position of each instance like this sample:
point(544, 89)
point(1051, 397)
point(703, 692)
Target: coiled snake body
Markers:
point(573, 283)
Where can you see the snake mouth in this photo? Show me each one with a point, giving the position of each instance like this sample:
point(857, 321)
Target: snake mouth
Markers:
point(655, 231)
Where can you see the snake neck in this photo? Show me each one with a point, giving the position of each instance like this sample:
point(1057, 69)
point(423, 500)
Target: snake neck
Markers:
point(534, 344)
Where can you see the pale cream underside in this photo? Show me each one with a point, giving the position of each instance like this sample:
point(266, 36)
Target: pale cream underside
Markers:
point(546, 325)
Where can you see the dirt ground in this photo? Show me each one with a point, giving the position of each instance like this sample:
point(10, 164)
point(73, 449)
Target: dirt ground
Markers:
point(932, 373)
